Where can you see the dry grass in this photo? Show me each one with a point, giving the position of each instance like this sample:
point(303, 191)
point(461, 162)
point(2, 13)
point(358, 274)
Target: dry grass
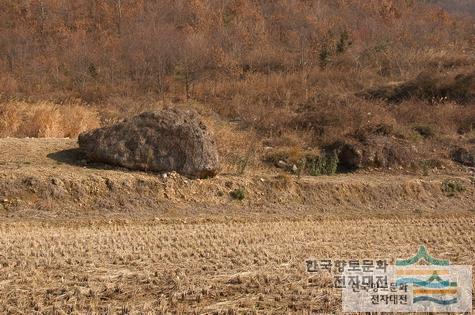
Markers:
point(239, 150)
point(232, 267)
point(288, 134)
point(447, 118)
point(433, 88)
point(10, 120)
point(77, 119)
point(286, 111)
point(45, 120)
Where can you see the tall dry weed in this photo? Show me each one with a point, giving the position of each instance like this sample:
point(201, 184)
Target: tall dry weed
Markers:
point(76, 119)
point(45, 120)
point(10, 120)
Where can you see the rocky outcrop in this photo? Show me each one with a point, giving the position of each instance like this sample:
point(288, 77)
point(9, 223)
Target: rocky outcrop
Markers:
point(375, 151)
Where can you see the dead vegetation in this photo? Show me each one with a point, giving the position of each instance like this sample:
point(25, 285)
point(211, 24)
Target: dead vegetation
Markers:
point(292, 83)
point(145, 266)
point(46, 120)
point(459, 87)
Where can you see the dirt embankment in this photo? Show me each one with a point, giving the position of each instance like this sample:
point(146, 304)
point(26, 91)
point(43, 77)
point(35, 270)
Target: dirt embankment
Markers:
point(46, 178)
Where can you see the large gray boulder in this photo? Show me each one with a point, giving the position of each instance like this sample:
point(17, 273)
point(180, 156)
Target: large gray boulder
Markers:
point(168, 140)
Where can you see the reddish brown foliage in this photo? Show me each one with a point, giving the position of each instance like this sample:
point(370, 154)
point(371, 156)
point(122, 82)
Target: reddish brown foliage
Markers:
point(286, 71)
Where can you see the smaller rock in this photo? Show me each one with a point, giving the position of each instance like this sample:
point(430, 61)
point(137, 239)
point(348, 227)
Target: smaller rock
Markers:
point(294, 168)
point(282, 164)
point(350, 156)
point(56, 182)
point(464, 156)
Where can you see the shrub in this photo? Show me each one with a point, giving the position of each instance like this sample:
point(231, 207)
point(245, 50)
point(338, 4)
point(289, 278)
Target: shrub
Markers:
point(244, 161)
point(451, 187)
point(381, 129)
point(324, 56)
point(238, 194)
point(427, 165)
point(425, 131)
point(291, 155)
point(343, 43)
point(324, 165)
